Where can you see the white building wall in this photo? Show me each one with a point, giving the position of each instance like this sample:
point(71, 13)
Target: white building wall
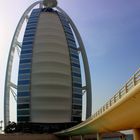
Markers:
point(51, 83)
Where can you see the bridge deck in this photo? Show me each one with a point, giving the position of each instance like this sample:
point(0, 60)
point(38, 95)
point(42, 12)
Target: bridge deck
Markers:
point(120, 113)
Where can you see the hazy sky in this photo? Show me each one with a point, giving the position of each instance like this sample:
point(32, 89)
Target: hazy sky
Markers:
point(111, 33)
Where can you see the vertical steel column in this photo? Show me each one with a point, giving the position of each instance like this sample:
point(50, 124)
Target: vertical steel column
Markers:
point(10, 63)
point(99, 136)
point(86, 65)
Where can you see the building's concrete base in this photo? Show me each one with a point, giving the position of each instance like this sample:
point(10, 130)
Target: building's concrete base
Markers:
point(28, 137)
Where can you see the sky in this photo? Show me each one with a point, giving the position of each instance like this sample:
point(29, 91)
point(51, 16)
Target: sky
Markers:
point(110, 30)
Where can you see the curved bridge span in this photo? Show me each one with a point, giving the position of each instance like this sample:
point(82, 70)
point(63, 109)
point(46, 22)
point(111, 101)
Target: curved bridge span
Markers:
point(121, 112)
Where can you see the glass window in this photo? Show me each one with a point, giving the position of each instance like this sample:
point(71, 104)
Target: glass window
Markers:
point(77, 101)
point(72, 46)
point(24, 76)
point(23, 100)
point(77, 119)
point(75, 56)
point(26, 46)
point(26, 56)
point(67, 28)
point(31, 28)
point(24, 82)
point(31, 25)
point(77, 96)
point(23, 94)
point(25, 66)
point(28, 38)
point(25, 61)
point(70, 37)
point(77, 107)
point(71, 43)
point(24, 71)
point(76, 112)
point(62, 17)
point(77, 90)
point(74, 51)
point(68, 31)
point(23, 88)
point(64, 21)
point(66, 25)
point(29, 32)
point(31, 20)
point(27, 49)
point(22, 106)
point(36, 14)
point(27, 42)
point(76, 74)
point(36, 11)
point(76, 61)
point(29, 35)
point(75, 65)
point(23, 112)
point(23, 119)
point(77, 84)
point(76, 80)
point(76, 70)
point(25, 52)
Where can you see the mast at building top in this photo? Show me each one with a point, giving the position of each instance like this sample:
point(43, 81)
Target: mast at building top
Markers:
point(50, 3)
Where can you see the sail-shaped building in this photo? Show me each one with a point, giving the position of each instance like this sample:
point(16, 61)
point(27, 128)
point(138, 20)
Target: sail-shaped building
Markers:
point(49, 79)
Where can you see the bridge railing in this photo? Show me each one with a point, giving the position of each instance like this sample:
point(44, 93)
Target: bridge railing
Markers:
point(132, 82)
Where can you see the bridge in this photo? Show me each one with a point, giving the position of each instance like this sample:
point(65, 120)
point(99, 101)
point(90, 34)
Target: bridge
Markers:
point(121, 112)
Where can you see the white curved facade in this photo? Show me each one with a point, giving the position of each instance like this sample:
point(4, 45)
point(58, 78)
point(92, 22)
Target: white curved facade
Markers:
point(51, 86)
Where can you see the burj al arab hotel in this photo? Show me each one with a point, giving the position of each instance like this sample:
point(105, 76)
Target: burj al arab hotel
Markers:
point(49, 87)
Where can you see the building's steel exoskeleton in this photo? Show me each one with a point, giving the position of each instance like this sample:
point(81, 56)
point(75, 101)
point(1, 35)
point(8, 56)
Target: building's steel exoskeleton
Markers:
point(86, 65)
point(15, 43)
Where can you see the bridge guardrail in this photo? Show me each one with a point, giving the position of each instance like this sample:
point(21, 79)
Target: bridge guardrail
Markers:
point(132, 82)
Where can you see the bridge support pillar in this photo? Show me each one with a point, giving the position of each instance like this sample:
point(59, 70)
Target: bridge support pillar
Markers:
point(81, 137)
point(99, 136)
point(122, 138)
point(136, 134)
point(70, 138)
